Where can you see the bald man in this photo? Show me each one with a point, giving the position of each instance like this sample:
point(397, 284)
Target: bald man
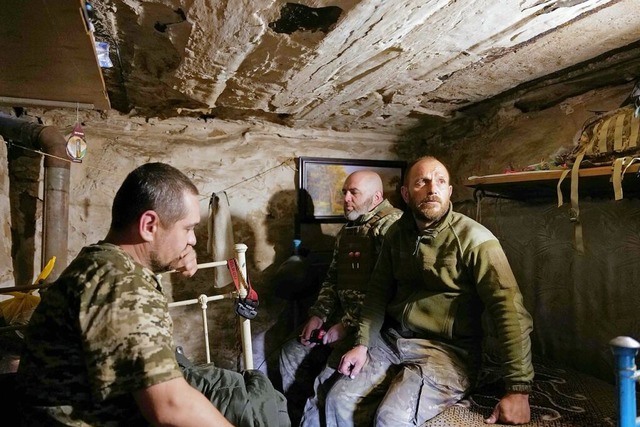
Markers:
point(337, 308)
point(440, 279)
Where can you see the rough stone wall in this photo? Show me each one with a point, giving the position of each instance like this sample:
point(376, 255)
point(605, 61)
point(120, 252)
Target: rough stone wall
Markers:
point(496, 138)
point(254, 164)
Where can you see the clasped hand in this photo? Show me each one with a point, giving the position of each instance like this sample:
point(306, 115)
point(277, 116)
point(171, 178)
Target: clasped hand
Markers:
point(333, 334)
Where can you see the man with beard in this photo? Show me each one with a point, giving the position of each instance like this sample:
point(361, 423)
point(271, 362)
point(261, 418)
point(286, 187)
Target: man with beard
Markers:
point(439, 279)
point(99, 348)
point(337, 307)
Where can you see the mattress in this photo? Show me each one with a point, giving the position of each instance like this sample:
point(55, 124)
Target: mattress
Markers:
point(560, 398)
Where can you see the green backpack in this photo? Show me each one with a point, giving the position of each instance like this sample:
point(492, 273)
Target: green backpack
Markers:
point(608, 139)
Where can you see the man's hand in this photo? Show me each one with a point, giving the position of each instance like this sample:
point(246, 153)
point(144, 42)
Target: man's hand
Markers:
point(352, 362)
point(335, 333)
point(186, 264)
point(513, 408)
point(314, 322)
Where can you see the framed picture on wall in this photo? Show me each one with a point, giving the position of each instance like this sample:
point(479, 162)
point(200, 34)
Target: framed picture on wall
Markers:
point(320, 183)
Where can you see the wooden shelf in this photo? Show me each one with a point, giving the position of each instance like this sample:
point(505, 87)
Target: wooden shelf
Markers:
point(48, 56)
point(595, 181)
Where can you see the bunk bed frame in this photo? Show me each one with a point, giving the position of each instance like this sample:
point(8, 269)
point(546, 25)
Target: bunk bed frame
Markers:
point(245, 324)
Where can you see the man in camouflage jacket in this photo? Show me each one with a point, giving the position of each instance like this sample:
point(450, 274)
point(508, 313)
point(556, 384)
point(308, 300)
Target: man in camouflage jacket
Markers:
point(99, 349)
point(337, 307)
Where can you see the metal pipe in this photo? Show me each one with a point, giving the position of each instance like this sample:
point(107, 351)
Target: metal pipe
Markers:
point(625, 350)
point(201, 266)
point(198, 300)
point(57, 174)
point(245, 324)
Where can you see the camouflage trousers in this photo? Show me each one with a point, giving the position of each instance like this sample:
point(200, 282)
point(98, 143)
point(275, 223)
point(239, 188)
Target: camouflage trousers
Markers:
point(405, 382)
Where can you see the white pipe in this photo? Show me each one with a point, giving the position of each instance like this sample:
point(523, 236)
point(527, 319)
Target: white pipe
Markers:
point(195, 301)
point(203, 300)
point(201, 266)
point(245, 324)
point(203, 305)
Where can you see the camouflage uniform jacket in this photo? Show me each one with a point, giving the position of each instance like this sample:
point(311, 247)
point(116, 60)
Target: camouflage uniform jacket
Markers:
point(342, 291)
point(100, 332)
point(441, 284)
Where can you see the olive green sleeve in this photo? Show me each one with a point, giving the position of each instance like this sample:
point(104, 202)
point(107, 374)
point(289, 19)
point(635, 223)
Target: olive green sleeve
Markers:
point(378, 294)
point(501, 296)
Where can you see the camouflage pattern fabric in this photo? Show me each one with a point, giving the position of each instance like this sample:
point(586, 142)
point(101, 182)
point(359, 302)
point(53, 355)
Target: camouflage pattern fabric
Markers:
point(101, 331)
point(339, 300)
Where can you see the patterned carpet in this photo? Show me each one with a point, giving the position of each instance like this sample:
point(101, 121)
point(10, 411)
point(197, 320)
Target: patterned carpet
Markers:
point(560, 398)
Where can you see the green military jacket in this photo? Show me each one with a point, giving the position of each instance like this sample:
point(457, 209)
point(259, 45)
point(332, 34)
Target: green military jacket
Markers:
point(442, 283)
